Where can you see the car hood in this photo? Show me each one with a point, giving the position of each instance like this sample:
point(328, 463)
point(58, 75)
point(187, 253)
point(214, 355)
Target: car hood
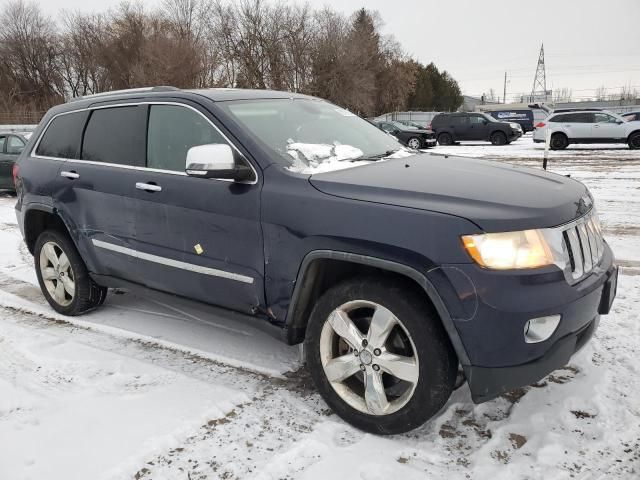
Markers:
point(495, 196)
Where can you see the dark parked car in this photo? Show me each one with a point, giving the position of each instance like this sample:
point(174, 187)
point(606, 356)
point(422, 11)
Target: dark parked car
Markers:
point(288, 210)
point(452, 127)
point(524, 118)
point(11, 145)
point(412, 137)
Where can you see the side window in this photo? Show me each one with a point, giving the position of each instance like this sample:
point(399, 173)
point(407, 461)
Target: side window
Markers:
point(173, 130)
point(476, 120)
point(387, 127)
point(3, 140)
point(604, 118)
point(115, 135)
point(584, 118)
point(63, 136)
point(557, 119)
point(15, 145)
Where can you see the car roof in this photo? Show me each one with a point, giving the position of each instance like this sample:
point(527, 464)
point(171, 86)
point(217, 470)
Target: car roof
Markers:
point(163, 92)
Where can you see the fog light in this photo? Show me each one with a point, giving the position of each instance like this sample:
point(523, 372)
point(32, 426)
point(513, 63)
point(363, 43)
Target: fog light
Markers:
point(539, 329)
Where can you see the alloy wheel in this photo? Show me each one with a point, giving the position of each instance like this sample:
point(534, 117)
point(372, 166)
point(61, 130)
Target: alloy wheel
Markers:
point(57, 273)
point(414, 143)
point(369, 357)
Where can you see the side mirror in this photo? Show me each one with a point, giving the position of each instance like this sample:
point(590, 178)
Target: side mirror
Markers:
point(484, 122)
point(396, 131)
point(216, 160)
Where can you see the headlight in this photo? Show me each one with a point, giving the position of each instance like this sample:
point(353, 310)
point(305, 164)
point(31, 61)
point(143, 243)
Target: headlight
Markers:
point(511, 250)
point(515, 125)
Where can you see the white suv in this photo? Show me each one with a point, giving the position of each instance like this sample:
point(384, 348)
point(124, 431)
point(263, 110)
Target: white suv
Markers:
point(587, 126)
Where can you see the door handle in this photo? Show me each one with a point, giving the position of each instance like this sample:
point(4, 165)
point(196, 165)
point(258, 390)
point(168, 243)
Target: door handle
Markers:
point(596, 126)
point(148, 187)
point(70, 175)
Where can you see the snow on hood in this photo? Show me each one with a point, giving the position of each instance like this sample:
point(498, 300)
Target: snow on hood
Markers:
point(312, 158)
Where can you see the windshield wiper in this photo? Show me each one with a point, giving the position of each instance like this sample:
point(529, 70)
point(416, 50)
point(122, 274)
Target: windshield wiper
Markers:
point(380, 156)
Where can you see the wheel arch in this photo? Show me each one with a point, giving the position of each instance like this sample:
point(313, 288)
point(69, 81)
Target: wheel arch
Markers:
point(312, 281)
point(632, 133)
point(39, 218)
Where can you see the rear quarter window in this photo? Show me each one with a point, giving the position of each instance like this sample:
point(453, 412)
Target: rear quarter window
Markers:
point(63, 135)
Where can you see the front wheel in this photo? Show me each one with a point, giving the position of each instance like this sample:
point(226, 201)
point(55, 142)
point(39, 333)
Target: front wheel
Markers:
point(63, 276)
point(414, 143)
point(634, 141)
point(498, 138)
point(379, 355)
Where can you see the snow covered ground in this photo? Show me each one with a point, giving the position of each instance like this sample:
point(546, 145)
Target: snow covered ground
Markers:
point(144, 390)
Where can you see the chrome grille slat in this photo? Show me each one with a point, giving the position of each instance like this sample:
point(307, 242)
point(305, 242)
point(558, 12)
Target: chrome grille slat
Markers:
point(576, 251)
point(584, 246)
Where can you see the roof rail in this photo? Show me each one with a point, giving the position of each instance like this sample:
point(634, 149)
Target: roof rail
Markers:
point(161, 88)
point(565, 110)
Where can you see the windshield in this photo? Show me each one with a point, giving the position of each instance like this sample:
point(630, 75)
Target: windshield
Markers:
point(305, 133)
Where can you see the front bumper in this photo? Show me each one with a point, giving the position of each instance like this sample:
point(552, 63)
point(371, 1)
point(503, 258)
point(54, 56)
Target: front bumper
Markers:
point(490, 310)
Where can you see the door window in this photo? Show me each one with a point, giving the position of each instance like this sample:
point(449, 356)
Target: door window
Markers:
point(605, 118)
point(476, 120)
point(173, 130)
point(15, 145)
point(3, 140)
point(63, 136)
point(116, 135)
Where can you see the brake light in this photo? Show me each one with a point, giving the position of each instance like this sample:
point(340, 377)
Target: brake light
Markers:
point(540, 125)
point(14, 172)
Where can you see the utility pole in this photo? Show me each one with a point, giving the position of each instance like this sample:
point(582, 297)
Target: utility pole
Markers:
point(504, 93)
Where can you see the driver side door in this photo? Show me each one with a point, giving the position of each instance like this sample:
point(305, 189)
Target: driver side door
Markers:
point(196, 237)
point(477, 127)
point(607, 127)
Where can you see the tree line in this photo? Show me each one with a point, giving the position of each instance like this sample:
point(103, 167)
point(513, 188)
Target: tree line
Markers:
point(213, 43)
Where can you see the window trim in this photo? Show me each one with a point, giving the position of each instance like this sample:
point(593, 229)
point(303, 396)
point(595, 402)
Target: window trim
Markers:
point(134, 167)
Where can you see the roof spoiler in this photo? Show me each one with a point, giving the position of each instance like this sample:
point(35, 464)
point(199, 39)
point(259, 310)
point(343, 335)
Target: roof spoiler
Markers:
point(161, 88)
point(541, 106)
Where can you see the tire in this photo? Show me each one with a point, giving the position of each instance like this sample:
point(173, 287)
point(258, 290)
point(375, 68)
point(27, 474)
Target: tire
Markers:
point(415, 143)
point(399, 405)
point(445, 139)
point(634, 141)
point(498, 138)
point(559, 141)
point(67, 287)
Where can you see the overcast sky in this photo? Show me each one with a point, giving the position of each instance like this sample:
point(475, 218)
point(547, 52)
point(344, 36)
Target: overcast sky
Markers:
point(588, 43)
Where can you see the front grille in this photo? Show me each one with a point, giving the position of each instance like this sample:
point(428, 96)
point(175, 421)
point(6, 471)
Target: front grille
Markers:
point(584, 245)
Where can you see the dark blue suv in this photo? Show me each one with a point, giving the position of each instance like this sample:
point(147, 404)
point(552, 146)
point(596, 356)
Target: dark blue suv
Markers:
point(401, 271)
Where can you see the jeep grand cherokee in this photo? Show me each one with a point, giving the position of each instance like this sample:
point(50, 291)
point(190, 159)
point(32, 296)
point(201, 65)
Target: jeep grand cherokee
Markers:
point(397, 269)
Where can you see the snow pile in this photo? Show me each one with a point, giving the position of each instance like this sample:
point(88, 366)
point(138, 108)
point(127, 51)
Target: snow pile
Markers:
point(312, 158)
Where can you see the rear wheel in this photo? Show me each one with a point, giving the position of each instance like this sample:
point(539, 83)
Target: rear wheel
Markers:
point(63, 276)
point(559, 141)
point(498, 138)
point(634, 140)
point(414, 142)
point(379, 355)
point(445, 139)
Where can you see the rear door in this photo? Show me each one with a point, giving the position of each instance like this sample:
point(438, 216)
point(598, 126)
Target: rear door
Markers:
point(607, 127)
point(196, 237)
point(97, 197)
point(577, 125)
point(459, 126)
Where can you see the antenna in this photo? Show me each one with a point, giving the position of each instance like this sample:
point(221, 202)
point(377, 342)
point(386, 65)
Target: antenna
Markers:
point(540, 80)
